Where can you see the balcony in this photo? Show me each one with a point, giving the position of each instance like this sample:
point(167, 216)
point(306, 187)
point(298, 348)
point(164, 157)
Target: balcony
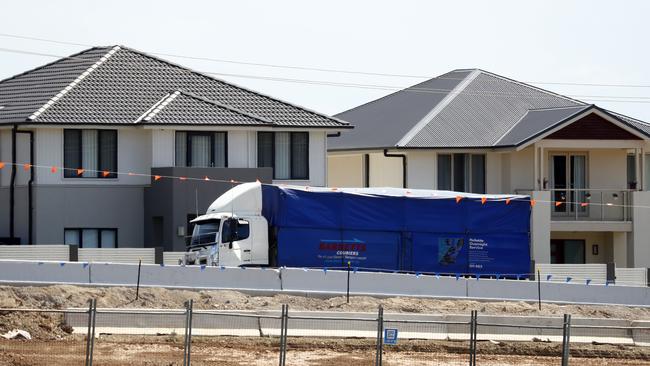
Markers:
point(591, 205)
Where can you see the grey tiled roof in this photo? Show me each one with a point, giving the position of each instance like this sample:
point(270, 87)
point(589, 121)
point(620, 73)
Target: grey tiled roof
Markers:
point(537, 121)
point(480, 110)
point(118, 85)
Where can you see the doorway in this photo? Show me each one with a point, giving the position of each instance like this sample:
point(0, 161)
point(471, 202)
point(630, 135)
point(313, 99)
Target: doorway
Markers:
point(567, 251)
point(568, 173)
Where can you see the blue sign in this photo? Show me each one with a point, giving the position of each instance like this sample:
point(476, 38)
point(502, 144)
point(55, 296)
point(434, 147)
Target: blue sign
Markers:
point(390, 336)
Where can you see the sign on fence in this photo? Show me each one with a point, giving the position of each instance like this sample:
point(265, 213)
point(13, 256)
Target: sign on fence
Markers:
point(390, 336)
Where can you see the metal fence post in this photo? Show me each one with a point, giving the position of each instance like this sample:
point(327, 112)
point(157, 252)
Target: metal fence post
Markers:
point(473, 331)
point(188, 333)
point(90, 333)
point(566, 338)
point(284, 321)
point(380, 336)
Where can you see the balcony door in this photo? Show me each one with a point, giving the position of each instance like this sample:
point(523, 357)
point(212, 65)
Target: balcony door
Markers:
point(568, 173)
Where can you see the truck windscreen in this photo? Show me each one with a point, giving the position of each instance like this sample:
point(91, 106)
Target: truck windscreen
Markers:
point(205, 232)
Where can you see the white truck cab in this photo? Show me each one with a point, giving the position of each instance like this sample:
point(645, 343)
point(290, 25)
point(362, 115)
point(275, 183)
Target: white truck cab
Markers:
point(233, 231)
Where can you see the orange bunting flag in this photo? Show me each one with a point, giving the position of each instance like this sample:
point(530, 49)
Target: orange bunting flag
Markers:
point(507, 201)
point(156, 177)
point(80, 171)
point(105, 173)
point(206, 178)
point(27, 167)
point(483, 200)
point(334, 188)
point(183, 178)
point(558, 203)
point(584, 204)
point(2, 165)
point(533, 202)
point(54, 169)
point(458, 198)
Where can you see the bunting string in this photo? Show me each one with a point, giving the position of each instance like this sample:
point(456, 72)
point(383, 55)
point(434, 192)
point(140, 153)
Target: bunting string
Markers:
point(105, 173)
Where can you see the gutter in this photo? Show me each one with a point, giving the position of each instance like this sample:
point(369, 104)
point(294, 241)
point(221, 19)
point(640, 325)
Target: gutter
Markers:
point(404, 165)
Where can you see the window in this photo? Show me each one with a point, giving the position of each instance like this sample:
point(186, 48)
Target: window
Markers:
point(201, 149)
point(94, 151)
point(205, 232)
point(286, 152)
point(91, 238)
point(235, 230)
point(631, 171)
point(461, 172)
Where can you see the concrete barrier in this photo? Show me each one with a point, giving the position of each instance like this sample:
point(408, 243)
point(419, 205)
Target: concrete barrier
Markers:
point(316, 282)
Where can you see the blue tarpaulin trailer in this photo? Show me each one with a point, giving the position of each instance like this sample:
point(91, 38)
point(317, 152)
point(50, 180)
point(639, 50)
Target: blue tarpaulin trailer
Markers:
point(400, 230)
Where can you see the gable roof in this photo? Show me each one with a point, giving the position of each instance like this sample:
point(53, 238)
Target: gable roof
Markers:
point(119, 85)
point(478, 109)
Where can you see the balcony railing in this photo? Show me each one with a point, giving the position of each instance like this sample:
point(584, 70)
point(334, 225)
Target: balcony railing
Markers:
point(589, 204)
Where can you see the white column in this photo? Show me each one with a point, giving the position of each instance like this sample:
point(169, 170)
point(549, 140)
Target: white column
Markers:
point(541, 228)
point(619, 248)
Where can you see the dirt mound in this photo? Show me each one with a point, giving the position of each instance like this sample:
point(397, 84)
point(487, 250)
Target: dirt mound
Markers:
point(65, 296)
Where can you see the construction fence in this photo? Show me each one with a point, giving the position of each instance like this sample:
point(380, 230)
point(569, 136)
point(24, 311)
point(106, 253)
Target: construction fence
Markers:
point(202, 337)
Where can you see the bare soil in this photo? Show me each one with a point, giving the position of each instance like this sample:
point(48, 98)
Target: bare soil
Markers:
point(229, 351)
point(65, 296)
point(53, 343)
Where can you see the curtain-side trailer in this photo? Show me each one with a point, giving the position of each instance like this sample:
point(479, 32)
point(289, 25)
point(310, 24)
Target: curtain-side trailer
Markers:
point(255, 224)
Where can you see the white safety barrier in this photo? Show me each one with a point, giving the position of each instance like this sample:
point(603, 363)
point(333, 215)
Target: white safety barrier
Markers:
point(170, 258)
point(579, 273)
point(631, 276)
point(35, 252)
point(118, 255)
point(318, 282)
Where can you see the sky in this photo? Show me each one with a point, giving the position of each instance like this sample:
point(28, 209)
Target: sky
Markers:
point(552, 41)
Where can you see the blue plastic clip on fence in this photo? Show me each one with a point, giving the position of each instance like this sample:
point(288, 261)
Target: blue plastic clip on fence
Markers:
point(85, 265)
point(162, 264)
point(478, 276)
point(457, 276)
point(568, 279)
point(437, 275)
point(202, 267)
point(62, 264)
point(588, 281)
point(355, 269)
point(305, 269)
point(498, 276)
point(548, 277)
point(40, 263)
point(222, 268)
point(325, 270)
point(417, 274)
point(518, 277)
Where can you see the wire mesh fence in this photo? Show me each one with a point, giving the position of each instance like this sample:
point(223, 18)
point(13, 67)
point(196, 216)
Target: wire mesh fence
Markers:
point(41, 337)
point(201, 337)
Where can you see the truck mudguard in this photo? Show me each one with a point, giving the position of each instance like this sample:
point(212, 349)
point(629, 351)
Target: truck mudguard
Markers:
point(400, 230)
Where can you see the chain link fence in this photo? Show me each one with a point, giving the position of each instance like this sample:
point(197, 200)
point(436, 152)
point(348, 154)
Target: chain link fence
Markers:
point(187, 336)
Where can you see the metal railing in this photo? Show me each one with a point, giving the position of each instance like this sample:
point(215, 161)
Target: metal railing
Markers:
point(152, 336)
point(586, 204)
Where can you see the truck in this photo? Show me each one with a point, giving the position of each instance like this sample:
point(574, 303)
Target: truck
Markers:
point(376, 229)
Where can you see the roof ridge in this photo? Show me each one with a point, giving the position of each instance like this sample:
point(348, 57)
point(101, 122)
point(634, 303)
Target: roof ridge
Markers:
point(438, 107)
point(583, 108)
point(556, 108)
point(76, 81)
point(233, 84)
point(51, 63)
point(157, 107)
point(542, 90)
point(399, 91)
point(233, 109)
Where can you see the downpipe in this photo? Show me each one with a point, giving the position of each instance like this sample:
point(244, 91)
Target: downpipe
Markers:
point(404, 165)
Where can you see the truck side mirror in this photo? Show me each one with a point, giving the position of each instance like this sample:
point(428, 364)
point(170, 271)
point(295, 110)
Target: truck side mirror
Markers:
point(232, 224)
